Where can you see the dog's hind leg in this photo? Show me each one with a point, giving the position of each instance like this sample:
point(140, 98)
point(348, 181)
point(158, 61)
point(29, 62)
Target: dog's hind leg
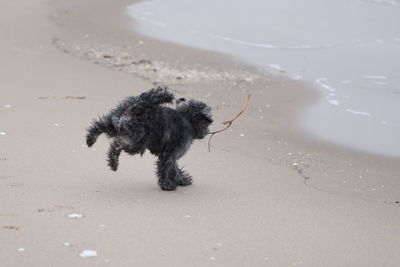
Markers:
point(113, 154)
point(167, 172)
point(103, 125)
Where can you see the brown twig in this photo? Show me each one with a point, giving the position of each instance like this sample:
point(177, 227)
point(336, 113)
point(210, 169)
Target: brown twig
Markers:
point(228, 123)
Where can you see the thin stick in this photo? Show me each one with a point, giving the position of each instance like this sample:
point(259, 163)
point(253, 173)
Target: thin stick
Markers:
point(228, 123)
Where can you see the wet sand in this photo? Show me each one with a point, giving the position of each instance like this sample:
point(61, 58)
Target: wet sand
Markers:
point(267, 194)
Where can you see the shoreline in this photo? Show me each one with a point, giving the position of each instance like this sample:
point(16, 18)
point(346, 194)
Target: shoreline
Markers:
point(266, 194)
point(278, 101)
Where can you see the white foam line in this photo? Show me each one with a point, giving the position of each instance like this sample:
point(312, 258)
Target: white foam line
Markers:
point(158, 23)
point(333, 102)
point(237, 41)
point(300, 47)
point(309, 47)
point(375, 77)
point(276, 67)
point(387, 2)
point(327, 87)
point(358, 112)
point(269, 46)
point(320, 81)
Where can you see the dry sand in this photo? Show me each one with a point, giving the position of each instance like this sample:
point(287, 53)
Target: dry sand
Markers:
point(267, 194)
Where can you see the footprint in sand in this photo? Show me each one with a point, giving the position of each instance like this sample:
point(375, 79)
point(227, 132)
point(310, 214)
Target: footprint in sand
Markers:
point(11, 227)
point(55, 208)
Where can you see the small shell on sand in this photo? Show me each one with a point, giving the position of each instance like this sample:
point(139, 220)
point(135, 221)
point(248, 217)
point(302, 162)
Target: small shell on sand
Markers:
point(75, 216)
point(88, 254)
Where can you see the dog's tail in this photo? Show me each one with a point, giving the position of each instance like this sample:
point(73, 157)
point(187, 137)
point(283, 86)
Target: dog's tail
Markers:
point(152, 98)
point(157, 96)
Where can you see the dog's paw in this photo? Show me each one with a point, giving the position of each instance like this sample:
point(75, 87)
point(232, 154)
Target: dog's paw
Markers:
point(113, 165)
point(168, 185)
point(90, 140)
point(184, 179)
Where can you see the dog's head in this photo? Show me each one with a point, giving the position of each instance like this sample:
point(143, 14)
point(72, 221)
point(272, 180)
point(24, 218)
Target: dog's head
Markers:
point(198, 114)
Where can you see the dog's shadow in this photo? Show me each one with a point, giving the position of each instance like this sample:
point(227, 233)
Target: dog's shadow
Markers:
point(147, 190)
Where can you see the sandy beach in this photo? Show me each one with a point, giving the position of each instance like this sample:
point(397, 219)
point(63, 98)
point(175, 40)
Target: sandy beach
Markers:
point(266, 195)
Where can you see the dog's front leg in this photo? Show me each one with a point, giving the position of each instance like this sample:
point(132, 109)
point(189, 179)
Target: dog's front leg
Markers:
point(167, 172)
point(103, 125)
point(113, 154)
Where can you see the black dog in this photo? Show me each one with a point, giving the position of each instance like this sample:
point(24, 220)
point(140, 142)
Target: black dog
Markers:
point(142, 122)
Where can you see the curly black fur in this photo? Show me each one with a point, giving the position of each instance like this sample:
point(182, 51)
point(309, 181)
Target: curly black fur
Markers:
point(141, 123)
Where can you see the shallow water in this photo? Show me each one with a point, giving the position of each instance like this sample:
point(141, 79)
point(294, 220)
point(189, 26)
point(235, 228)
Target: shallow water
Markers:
point(350, 49)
